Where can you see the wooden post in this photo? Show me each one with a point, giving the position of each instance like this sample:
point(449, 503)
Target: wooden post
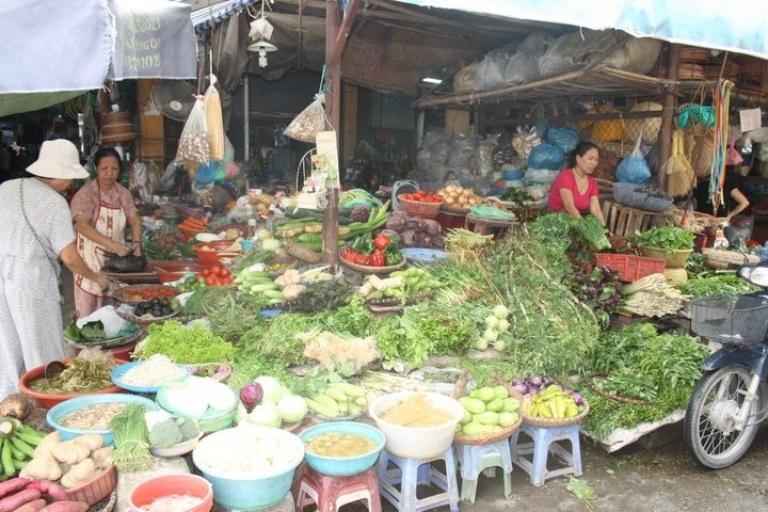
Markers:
point(668, 115)
point(349, 124)
point(336, 34)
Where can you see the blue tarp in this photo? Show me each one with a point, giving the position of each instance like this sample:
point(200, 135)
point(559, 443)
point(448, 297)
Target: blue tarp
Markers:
point(733, 26)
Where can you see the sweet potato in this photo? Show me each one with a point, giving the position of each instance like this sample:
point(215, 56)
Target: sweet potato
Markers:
point(67, 506)
point(48, 488)
point(14, 501)
point(10, 486)
point(33, 506)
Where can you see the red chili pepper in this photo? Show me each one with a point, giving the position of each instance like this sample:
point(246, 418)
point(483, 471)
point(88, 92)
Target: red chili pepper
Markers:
point(378, 258)
point(381, 241)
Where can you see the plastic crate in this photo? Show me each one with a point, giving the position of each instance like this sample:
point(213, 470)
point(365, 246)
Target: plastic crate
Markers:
point(630, 267)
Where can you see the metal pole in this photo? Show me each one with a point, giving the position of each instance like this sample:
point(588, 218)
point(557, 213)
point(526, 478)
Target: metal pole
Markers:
point(246, 120)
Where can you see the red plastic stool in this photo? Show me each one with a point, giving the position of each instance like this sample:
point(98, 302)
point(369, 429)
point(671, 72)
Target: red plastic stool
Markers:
point(332, 492)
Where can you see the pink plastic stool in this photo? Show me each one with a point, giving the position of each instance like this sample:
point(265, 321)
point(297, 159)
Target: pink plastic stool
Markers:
point(330, 493)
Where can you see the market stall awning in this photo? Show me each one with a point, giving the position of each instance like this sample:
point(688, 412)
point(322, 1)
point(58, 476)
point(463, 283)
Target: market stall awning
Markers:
point(68, 47)
point(713, 24)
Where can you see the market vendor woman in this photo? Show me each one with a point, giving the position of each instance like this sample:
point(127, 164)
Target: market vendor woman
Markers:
point(102, 209)
point(574, 191)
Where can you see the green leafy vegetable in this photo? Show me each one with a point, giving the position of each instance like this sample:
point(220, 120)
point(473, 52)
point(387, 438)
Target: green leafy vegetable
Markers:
point(669, 237)
point(185, 345)
point(92, 331)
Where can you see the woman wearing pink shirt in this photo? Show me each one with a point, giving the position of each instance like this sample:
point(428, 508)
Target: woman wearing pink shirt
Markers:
point(574, 191)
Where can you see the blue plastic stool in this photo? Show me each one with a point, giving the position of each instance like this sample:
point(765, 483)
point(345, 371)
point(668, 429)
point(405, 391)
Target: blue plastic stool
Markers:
point(484, 458)
point(544, 442)
point(410, 473)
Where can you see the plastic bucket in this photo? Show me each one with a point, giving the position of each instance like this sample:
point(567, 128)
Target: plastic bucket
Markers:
point(168, 485)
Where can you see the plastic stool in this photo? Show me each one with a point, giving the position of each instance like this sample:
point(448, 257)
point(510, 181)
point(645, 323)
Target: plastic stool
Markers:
point(545, 442)
point(410, 473)
point(484, 458)
point(332, 492)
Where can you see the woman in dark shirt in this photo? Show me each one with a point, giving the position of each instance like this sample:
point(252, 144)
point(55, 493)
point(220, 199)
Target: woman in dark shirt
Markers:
point(734, 201)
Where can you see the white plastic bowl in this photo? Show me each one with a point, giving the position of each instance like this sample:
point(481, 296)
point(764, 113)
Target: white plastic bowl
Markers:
point(417, 442)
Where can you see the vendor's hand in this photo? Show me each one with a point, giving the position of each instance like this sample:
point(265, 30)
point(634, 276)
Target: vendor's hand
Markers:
point(118, 248)
point(103, 280)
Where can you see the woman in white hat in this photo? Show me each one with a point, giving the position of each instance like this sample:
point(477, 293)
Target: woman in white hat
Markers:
point(37, 231)
point(102, 210)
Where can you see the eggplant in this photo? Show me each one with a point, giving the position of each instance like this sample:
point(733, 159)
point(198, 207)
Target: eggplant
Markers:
point(126, 264)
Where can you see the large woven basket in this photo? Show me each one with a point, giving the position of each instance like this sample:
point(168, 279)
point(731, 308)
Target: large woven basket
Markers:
point(304, 254)
point(673, 259)
point(720, 259)
point(96, 489)
point(419, 208)
point(367, 269)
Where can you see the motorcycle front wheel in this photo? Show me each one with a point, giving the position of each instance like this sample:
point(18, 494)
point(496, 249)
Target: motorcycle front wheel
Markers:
point(710, 433)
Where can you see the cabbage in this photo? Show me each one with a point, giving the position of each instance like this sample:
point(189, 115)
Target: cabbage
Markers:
point(271, 388)
point(265, 414)
point(292, 408)
point(184, 401)
point(271, 244)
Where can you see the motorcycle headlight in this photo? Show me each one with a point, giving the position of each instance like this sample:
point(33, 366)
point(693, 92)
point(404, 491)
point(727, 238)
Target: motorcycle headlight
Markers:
point(756, 275)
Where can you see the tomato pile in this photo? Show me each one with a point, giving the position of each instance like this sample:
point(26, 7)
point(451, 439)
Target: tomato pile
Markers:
point(422, 196)
point(216, 276)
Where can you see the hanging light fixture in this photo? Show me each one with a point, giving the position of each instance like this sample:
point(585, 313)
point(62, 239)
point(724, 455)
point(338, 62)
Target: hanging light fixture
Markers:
point(262, 47)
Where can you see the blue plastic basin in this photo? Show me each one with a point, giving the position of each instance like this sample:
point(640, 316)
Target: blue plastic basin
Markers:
point(74, 404)
point(343, 466)
point(236, 487)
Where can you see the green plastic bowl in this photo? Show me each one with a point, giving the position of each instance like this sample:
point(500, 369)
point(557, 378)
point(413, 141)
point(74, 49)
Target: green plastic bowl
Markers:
point(343, 466)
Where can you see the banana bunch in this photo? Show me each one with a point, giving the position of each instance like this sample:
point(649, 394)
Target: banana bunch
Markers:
point(339, 399)
point(17, 445)
point(553, 403)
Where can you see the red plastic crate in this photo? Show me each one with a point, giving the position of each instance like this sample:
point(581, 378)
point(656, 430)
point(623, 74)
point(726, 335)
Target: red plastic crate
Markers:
point(630, 267)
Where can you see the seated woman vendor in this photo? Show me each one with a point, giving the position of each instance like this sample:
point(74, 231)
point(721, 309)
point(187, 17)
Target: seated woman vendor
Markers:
point(733, 200)
point(574, 191)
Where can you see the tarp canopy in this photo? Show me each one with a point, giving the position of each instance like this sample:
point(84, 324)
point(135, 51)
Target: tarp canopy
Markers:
point(57, 50)
point(737, 26)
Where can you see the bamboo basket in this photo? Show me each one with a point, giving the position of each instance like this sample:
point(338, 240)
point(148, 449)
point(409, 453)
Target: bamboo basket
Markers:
point(590, 381)
point(687, 71)
point(495, 436)
point(559, 422)
point(673, 259)
point(97, 488)
point(367, 269)
point(719, 259)
point(675, 276)
point(689, 54)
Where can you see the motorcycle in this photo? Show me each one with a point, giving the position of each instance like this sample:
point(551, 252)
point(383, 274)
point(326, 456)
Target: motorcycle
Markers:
point(730, 400)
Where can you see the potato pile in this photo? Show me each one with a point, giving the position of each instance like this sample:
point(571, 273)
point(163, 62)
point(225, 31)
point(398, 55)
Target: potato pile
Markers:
point(456, 196)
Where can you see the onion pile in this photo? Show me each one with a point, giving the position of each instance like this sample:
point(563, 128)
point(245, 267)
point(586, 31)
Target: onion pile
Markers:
point(457, 196)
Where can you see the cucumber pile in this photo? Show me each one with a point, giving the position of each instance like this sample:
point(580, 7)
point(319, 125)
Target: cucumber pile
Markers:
point(487, 410)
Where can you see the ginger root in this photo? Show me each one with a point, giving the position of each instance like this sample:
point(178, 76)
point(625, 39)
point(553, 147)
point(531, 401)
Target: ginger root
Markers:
point(70, 452)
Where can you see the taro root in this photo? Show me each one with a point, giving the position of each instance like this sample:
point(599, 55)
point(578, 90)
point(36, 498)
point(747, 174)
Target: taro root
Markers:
point(16, 406)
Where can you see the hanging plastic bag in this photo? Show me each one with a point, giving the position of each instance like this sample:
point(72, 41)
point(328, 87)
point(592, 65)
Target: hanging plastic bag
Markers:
point(309, 122)
point(634, 168)
point(193, 142)
point(214, 121)
point(732, 155)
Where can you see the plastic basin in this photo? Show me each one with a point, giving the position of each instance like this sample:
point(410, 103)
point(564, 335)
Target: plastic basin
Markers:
point(48, 400)
point(343, 466)
point(417, 442)
point(74, 404)
point(232, 461)
point(211, 421)
point(175, 271)
point(208, 253)
point(167, 485)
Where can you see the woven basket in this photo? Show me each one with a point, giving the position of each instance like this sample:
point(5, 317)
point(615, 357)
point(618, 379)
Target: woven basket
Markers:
point(687, 71)
point(647, 128)
point(730, 71)
point(561, 422)
point(488, 438)
point(302, 253)
point(675, 276)
point(453, 209)
point(673, 259)
point(418, 208)
point(590, 381)
point(694, 54)
point(106, 343)
point(719, 259)
point(96, 489)
point(107, 504)
point(367, 269)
